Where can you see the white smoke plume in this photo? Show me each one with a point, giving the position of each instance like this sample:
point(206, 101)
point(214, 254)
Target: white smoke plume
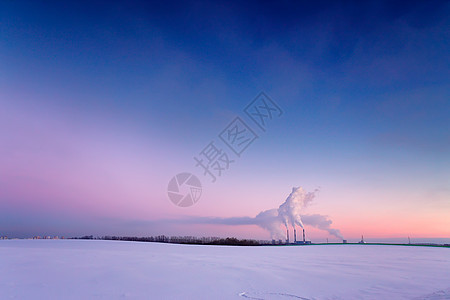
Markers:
point(270, 220)
point(323, 223)
point(290, 213)
point(290, 210)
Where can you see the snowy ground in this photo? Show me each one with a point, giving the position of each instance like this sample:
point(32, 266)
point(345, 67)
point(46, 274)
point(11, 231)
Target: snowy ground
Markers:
point(70, 269)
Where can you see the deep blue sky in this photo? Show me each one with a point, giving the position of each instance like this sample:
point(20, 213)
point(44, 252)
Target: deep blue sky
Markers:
point(364, 87)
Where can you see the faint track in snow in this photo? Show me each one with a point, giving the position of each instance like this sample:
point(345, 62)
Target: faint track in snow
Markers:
point(438, 295)
point(272, 296)
point(244, 294)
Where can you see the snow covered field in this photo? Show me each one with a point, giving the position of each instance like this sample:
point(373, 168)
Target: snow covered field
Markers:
point(74, 269)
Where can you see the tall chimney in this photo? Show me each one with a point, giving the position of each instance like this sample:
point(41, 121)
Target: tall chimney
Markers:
point(295, 235)
point(303, 235)
point(287, 235)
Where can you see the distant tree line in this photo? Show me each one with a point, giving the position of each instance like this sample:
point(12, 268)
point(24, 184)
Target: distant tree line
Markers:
point(179, 240)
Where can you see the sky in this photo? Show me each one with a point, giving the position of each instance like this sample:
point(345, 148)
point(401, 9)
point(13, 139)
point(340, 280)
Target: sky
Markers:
point(103, 103)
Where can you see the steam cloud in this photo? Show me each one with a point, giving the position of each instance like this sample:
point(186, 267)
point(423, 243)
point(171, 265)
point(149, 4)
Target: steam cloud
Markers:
point(289, 211)
point(288, 214)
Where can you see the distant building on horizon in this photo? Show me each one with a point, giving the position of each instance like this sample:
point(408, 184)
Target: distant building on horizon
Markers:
point(362, 240)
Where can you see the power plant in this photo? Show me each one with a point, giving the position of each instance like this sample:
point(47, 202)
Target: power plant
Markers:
point(303, 242)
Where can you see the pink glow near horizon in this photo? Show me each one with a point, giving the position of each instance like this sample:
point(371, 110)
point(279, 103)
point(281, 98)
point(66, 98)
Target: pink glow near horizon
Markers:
point(78, 171)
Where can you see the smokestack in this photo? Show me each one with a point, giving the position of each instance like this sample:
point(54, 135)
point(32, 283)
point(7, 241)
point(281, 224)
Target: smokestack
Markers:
point(287, 235)
point(303, 235)
point(295, 236)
